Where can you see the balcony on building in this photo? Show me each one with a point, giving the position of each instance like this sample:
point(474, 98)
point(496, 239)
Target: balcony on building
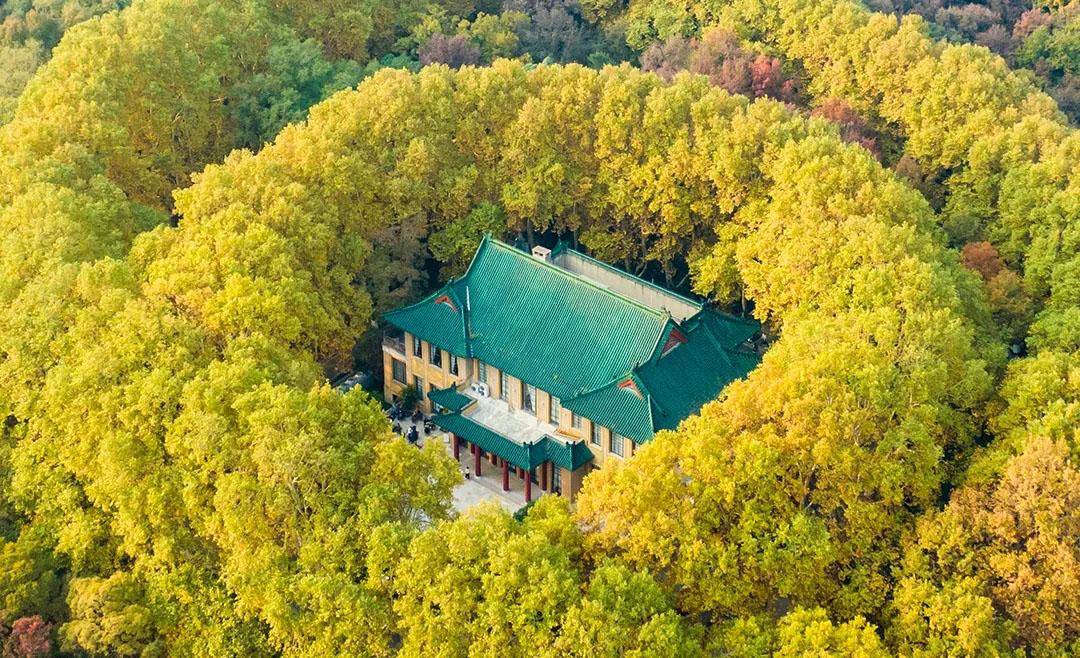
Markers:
point(394, 339)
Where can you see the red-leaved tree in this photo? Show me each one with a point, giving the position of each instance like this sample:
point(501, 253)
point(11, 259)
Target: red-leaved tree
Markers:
point(29, 639)
point(455, 51)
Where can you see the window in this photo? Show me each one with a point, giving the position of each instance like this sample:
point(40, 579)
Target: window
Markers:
point(553, 411)
point(556, 478)
point(417, 347)
point(596, 431)
point(504, 386)
point(453, 364)
point(481, 372)
point(419, 381)
point(436, 357)
point(529, 399)
point(576, 421)
point(399, 371)
point(616, 444)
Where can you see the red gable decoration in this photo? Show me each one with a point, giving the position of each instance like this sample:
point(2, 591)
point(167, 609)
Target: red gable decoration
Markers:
point(631, 386)
point(445, 299)
point(673, 341)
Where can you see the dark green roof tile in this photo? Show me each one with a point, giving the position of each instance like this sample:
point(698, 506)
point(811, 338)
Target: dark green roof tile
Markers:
point(581, 342)
point(570, 456)
point(450, 399)
point(547, 449)
point(489, 440)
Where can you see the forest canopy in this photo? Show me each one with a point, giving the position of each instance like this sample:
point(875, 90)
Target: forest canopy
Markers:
point(206, 205)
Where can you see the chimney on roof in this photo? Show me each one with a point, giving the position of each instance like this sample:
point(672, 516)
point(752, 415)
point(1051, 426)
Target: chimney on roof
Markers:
point(542, 253)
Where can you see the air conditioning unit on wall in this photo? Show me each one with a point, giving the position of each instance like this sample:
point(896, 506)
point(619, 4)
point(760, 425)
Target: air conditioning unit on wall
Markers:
point(480, 389)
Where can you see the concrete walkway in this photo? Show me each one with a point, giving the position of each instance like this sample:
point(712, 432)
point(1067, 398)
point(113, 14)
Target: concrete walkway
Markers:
point(476, 490)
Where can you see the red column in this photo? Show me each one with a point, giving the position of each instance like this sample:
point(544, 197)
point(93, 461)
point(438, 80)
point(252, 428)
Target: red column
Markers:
point(476, 454)
point(506, 475)
point(528, 487)
point(457, 447)
point(543, 476)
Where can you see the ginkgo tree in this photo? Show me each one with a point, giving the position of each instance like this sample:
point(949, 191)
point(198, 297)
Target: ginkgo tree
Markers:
point(173, 454)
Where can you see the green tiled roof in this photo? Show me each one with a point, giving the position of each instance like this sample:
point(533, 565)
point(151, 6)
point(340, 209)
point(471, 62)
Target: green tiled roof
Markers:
point(553, 329)
point(450, 398)
point(618, 409)
point(488, 440)
point(440, 324)
point(570, 456)
point(669, 387)
point(581, 342)
point(679, 385)
point(547, 449)
point(730, 331)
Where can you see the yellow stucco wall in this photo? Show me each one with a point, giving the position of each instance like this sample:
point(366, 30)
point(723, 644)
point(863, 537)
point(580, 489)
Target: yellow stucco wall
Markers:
point(437, 376)
point(441, 378)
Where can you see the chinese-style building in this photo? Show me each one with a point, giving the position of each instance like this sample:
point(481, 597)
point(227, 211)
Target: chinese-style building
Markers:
point(551, 363)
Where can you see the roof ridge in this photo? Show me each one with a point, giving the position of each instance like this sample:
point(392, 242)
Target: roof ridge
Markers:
point(573, 276)
point(632, 373)
point(664, 331)
point(652, 419)
point(431, 296)
point(722, 314)
point(484, 240)
point(715, 340)
point(646, 394)
point(596, 389)
point(657, 350)
point(466, 329)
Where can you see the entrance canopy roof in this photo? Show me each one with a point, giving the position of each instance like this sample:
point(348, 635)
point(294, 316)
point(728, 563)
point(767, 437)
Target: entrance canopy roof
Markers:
point(528, 456)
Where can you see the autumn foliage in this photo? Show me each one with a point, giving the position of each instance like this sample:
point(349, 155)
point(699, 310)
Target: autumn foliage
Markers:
point(898, 477)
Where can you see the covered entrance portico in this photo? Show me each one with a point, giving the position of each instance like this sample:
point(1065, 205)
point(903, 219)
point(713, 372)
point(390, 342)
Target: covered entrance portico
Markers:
point(536, 468)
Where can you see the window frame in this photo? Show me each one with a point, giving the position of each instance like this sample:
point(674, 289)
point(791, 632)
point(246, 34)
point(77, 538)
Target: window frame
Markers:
point(418, 382)
point(481, 371)
point(596, 435)
point(504, 386)
point(554, 409)
point(453, 364)
point(417, 346)
point(435, 356)
point(575, 421)
point(617, 440)
point(394, 371)
point(528, 403)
